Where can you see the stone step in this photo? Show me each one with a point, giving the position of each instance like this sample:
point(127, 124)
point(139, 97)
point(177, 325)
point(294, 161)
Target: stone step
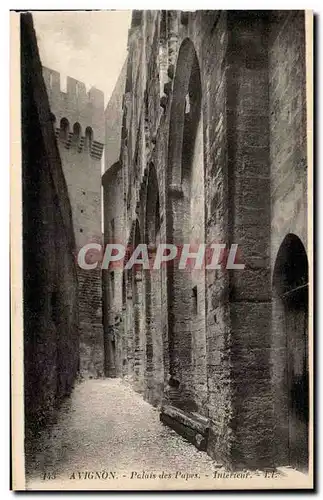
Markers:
point(191, 425)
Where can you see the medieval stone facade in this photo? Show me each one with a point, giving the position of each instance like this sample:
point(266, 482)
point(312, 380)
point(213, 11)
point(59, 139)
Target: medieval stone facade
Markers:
point(50, 284)
point(213, 149)
point(78, 118)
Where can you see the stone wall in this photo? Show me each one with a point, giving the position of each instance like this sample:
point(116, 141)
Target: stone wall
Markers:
point(287, 94)
point(288, 161)
point(51, 323)
point(78, 118)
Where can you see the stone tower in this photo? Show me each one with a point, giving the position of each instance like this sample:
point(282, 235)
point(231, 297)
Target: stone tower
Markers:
point(78, 118)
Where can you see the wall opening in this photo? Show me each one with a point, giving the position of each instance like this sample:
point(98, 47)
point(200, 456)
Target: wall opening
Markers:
point(185, 225)
point(290, 305)
point(64, 129)
point(88, 139)
point(194, 300)
point(76, 134)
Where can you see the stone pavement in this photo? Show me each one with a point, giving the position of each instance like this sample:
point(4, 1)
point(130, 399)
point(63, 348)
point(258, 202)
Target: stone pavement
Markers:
point(108, 437)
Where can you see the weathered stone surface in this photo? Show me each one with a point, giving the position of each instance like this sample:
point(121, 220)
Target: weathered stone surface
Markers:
point(80, 132)
point(227, 148)
point(50, 301)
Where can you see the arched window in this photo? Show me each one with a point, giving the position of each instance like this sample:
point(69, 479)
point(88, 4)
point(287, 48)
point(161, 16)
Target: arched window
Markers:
point(64, 129)
point(88, 139)
point(76, 134)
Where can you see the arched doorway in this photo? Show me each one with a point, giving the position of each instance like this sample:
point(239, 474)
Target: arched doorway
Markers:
point(153, 283)
point(290, 303)
point(185, 225)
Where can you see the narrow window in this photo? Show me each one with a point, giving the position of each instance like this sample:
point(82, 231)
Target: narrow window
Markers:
point(64, 129)
point(76, 134)
point(55, 307)
point(88, 138)
point(194, 299)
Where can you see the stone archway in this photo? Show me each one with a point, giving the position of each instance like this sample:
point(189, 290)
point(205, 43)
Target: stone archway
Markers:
point(290, 357)
point(153, 295)
point(185, 225)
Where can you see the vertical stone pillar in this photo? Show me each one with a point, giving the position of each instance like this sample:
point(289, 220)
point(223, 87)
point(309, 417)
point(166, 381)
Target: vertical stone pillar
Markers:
point(218, 333)
point(138, 331)
point(249, 227)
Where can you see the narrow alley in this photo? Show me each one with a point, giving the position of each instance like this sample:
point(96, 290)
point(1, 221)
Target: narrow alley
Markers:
point(166, 264)
point(108, 434)
point(107, 427)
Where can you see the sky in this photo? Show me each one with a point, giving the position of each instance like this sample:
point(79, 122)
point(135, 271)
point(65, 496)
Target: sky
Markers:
point(90, 46)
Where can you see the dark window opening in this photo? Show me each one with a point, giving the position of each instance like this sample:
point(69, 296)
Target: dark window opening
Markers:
point(64, 129)
point(194, 299)
point(88, 139)
point(76, 133)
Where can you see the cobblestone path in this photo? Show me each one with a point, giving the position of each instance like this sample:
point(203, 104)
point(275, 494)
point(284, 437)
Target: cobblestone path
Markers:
point(108, 437)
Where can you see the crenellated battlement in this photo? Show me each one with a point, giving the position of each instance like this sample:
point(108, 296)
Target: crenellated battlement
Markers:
point(79, 108)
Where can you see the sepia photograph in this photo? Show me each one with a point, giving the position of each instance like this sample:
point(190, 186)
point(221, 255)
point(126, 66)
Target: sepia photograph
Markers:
point(162, 298)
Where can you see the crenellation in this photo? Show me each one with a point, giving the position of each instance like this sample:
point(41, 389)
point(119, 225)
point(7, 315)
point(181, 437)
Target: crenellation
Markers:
point(76, 104)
